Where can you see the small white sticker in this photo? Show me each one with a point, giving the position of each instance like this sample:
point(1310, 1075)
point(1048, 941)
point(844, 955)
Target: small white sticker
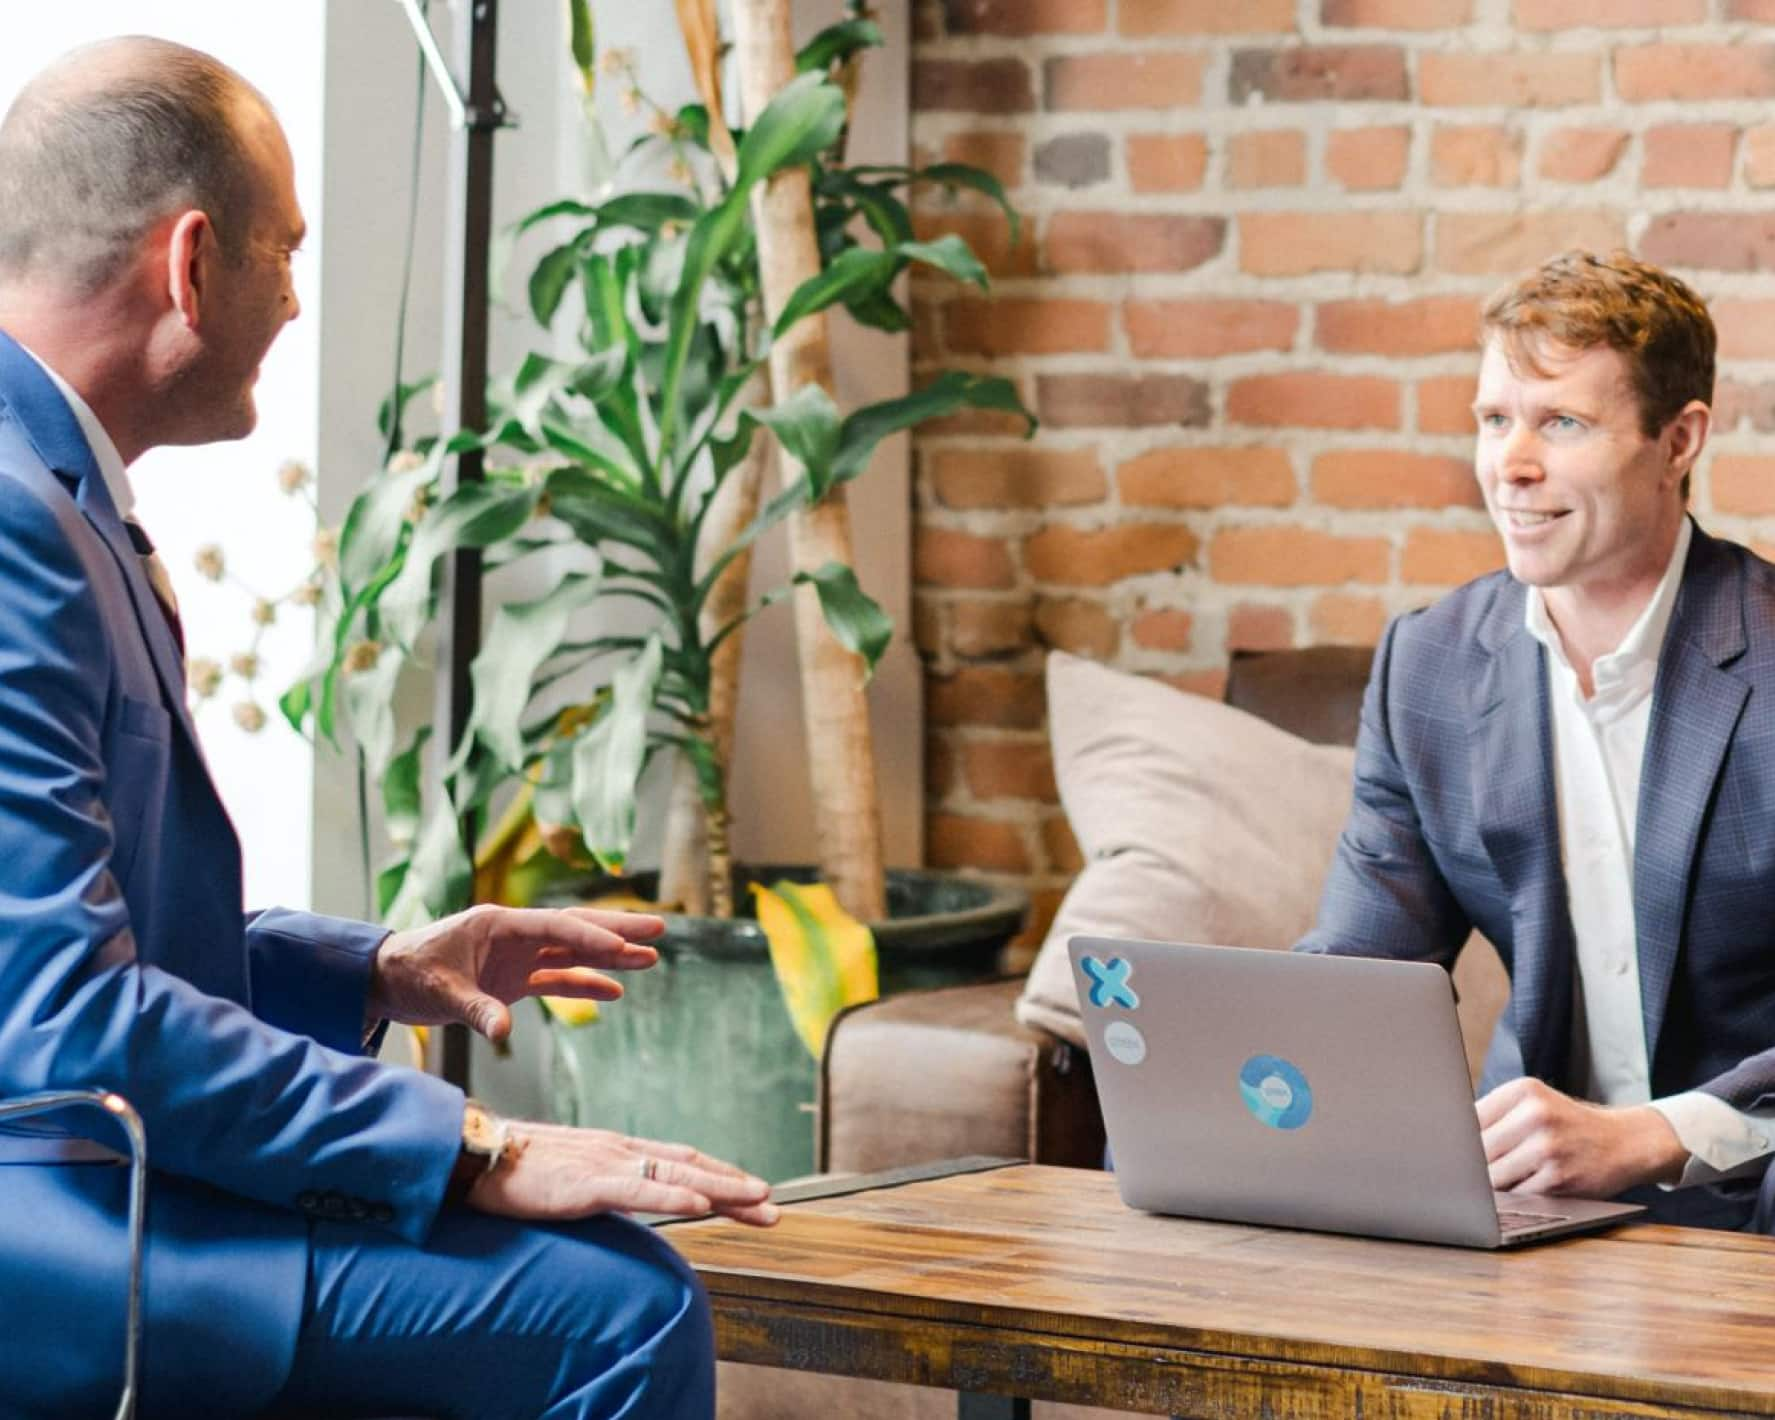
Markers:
point(1124, 1041)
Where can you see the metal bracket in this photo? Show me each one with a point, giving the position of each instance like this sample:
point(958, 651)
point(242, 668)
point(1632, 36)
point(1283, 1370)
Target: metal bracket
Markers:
point(474, 117)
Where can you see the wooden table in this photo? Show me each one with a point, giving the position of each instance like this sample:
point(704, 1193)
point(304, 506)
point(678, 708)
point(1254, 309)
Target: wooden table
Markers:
point(1026, 1281)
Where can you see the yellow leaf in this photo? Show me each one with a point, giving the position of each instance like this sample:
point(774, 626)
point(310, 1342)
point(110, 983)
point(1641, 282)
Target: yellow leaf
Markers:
point(570, 1010)
point(623, 902)
point(824, 958)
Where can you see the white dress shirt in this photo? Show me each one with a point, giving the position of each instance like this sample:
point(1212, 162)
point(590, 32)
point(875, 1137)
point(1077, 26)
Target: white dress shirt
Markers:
point(1598, 748)
point(104, 451)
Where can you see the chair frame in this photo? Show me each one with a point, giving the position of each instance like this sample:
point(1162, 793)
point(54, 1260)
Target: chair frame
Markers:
point(125, 1115)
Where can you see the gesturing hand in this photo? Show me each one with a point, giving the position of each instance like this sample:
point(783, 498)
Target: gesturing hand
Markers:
point(553, 1173)
point(469, 967)
point(1541, 1141)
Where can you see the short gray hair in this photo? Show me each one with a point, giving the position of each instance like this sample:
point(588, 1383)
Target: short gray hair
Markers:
point(107, 141)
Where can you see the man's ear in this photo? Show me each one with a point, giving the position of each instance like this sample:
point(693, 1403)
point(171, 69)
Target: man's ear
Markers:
point(1687, 435)
point(190, 253)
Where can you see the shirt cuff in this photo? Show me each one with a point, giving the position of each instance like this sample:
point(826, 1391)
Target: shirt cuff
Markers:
point(1722, 1142)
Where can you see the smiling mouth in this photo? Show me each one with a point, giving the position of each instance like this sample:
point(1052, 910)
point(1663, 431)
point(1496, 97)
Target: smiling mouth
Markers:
point(1525, 518)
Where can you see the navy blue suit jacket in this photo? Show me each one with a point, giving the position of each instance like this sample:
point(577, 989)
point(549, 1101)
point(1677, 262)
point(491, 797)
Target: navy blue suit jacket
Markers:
point(127, 963)
point(1455, 826)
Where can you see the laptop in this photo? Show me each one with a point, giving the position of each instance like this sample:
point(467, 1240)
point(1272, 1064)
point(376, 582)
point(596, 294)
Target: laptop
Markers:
point(1300, 1091)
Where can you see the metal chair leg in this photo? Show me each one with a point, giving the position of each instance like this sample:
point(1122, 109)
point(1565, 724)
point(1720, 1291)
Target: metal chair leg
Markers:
point(124, 1113)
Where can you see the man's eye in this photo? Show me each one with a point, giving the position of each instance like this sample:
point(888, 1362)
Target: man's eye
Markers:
point(1492, 421)
point(1564, 423)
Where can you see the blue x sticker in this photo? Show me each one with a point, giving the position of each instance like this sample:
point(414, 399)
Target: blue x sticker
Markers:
point(1109, 982)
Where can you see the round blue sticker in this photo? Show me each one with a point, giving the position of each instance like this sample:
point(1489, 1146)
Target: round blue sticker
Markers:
point(1275, 1092)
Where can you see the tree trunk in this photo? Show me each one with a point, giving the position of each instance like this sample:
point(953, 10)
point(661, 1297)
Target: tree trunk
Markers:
point(841, 758)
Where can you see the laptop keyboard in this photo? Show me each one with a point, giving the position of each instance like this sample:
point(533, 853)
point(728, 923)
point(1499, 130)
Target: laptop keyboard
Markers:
point(1511, 1222)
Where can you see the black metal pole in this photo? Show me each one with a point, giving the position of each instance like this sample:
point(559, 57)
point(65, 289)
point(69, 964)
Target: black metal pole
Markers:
point(470, 228)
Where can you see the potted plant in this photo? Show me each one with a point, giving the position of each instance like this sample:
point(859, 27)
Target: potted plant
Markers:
point(619, 464)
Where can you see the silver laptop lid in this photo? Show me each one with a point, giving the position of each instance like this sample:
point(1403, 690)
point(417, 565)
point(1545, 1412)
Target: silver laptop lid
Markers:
point(1287, 1089)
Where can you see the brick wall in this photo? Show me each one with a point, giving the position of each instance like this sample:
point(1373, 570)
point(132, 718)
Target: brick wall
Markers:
point(1257, 235)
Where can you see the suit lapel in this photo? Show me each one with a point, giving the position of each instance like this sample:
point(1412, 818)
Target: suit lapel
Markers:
point(44, 417)
point(1696, 706)
point(1510, 751)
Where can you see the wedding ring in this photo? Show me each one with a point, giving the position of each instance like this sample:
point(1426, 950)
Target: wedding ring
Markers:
point(649, 1168)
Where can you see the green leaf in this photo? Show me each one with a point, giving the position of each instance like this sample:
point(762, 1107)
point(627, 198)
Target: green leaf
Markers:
point(582, 42)
point(438, 880)
point(541, 380)
point(948, 254)
point(598, 512)
point(401, 797)
point(369, 708)
point(475, 515)
point(807, 424)
point(713, 233)
point(647, 211)
point(549, 282)
point(950, 391)
point(965, 175)
point(802, 120)
point(856, 620)
point(608, 759)
point(836, 42)
point(566, 207)
point(884, 212)
point(879, 311)
point(522, 637)
point(589, 442)
point(296, 703)
point(388, 885)
point(392, 412)
point(851, 274)
point(374, 523)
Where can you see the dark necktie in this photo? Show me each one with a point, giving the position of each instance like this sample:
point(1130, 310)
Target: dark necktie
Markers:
point(158, 579)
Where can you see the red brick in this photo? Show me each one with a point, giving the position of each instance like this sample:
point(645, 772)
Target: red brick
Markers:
point(1368, 159)
point(1124, 241)
point(1211, 684)
point(1507, 243)
point(989, 628)
point(939, 769)
point(1444, 558)
point(1345, 619)
point(1508, 79)
point(1207, 478)
point(1621, 14)
point(1296, 243)
point(952, 841)
point(1016, 478)
point(1082, 627)
point(1026, 17)
point(946, 558)
point(1713, 241)
point(1161, 79)
point(1312, 399)
point(1203, 329)
point(1001, 154)
point(1024, 326)
point(1746, 328)
point(1445, 404)
point(1166, 162)
point(927, 625)
point(1061, 847)
point(1275, 157)
point(1426, 326)
point(1581, 154)
point(1295, 557)
point(1709, 72)
point(1310, 73)
point(1388, 478)
point(1737, 400)
point(1078, 557)
point(1763, 10)
point(1743, 483)
point(1688, 155)
point(986, 695)
point(1019, 953)
point(1251, 626)
point(1184, 17)
point(1397, 14)
point(1475, 155)
point(972, 86)
point(927, 332)
point(1164, 629)
point(1008, 769)
point(987, 233)
point(1122, 401)
point(1759, 156)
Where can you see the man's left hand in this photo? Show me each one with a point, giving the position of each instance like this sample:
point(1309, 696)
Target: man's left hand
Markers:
point(1538, 1140)
point(470, 967)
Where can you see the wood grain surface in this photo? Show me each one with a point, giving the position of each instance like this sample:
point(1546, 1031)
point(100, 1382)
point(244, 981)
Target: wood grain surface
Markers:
point(1038, 1281)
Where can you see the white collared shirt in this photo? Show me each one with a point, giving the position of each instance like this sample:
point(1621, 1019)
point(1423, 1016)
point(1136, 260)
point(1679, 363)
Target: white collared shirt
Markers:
point(104, 451)
point(1598, 749)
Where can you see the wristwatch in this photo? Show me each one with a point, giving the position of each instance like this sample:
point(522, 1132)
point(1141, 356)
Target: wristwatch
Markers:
point(486, 1143)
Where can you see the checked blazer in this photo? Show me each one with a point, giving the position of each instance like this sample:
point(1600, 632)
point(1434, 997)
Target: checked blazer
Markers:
point(1454, 826)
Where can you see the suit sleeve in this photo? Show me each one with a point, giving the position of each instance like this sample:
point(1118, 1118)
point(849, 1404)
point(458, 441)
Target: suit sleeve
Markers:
point(1385, 896)
point(227, 1098)
point(311, 974)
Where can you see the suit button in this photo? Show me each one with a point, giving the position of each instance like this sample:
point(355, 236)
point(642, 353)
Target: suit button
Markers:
point(333, 1205)
point(358, 1209)
point(382, 1213)
point(308, 1200)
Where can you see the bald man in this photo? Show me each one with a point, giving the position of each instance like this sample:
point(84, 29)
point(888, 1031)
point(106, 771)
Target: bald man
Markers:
point(326, 1236)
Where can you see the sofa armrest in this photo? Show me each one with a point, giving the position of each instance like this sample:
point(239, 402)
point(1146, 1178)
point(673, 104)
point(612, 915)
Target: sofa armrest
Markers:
point(946, 1073)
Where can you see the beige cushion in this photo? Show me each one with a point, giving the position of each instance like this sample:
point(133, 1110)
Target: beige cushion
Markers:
point(1198, 823)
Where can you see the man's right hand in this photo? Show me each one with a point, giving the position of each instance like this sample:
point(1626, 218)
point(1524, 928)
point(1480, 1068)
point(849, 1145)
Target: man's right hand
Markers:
point(553, 1172)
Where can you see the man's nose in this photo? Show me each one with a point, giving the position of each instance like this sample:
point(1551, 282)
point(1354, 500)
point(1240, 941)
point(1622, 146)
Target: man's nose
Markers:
point(1519, 457)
